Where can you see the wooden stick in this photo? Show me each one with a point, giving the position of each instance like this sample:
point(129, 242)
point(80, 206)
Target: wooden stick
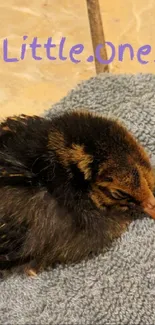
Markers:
point(97, 34)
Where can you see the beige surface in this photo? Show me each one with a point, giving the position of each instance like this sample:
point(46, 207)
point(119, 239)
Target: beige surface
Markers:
point(130, 21)
point(30, 86)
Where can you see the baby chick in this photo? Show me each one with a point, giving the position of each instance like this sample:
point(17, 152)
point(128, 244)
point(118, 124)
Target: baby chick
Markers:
point(67, 187)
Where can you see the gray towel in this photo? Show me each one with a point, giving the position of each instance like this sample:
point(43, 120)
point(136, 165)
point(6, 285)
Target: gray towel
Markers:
point(119, 286)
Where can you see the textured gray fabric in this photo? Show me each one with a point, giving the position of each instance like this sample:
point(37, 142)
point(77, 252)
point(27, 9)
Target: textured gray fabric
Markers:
point(115, 288)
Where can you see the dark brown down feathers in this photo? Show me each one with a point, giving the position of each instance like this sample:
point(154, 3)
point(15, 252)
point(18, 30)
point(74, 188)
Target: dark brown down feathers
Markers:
point(65, 187)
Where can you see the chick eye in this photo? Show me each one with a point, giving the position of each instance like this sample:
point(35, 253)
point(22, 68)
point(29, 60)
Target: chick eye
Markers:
point(119, 195)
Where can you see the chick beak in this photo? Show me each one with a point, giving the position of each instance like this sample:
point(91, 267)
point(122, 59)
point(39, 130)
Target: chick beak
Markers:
point(149, 206)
